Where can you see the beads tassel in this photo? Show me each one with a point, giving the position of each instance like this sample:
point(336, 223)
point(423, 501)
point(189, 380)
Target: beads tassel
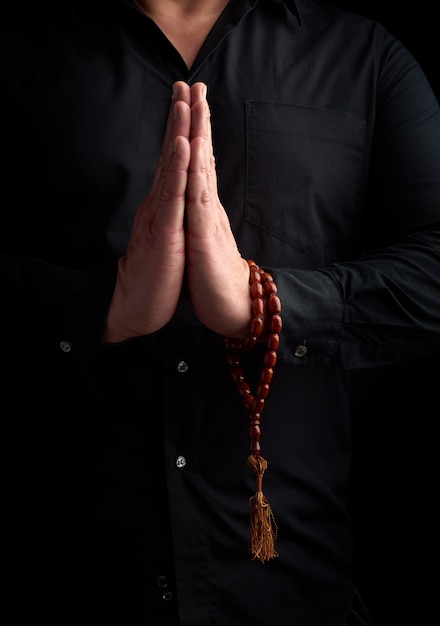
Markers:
point(266, 320)
point(262, 535)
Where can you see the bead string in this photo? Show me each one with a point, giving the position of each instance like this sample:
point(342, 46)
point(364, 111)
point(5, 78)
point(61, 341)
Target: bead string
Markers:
point(265, 325)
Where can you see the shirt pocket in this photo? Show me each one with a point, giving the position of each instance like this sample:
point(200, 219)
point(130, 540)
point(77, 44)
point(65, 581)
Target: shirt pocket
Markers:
point(304, 171)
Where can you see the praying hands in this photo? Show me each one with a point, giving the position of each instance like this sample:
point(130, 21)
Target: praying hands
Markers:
point(181, 237)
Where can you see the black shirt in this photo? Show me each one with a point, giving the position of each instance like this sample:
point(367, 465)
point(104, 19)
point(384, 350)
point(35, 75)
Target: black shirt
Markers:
point(326, 135)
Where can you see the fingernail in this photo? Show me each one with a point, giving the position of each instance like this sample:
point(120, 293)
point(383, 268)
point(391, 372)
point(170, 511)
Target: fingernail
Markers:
point(205, 90)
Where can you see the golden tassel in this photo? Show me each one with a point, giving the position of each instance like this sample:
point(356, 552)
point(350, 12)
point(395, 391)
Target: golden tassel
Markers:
point(262, 533)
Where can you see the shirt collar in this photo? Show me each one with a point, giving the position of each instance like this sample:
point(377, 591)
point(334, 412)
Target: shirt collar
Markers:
point(293, 6)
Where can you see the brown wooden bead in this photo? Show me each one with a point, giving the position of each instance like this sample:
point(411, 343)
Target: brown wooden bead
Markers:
point(249, 342)
point(243, 387)
point(257, 307)
point(270, 358)
point(255, 275)
point(256, 290)
point(255, 447)
point(233, 358)
point(237, 374)
point(248, 399)
point(257, 326)
point(257, 406)
point(273, 304)
point(255, 435)
point(273, 342)
point(275, 324)
point(269, 286)
point(255, 429)
point(262, 390)
point(266, 375)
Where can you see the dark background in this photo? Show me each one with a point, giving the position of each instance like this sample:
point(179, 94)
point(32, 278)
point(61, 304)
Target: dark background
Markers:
point(415, 23)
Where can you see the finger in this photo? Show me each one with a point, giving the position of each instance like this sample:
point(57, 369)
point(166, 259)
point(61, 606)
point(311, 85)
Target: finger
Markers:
point(170, 202)
point(180, 126)
point(200, 112)
point(175, 123)
point(201, 127)
point(199, 200)
point(179, 121)
point(181, 92)
point(198, 92)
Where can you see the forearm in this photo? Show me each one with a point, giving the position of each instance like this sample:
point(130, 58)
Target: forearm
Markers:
point(379, 309)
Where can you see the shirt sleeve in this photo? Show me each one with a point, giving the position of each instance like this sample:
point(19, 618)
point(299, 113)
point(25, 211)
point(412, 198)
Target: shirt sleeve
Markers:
point(49, 312)
point(384, 305)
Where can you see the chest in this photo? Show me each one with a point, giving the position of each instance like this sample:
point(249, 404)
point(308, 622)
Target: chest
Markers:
point(187, 34)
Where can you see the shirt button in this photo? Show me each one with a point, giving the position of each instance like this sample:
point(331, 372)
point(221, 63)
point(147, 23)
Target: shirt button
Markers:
point(66, 346)
point(167, 596)
point(180, 462)
point(162, 581)
point(300, 351)
point(182, 367)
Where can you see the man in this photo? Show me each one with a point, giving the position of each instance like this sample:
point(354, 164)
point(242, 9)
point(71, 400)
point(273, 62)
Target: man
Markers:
point(157, 151)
